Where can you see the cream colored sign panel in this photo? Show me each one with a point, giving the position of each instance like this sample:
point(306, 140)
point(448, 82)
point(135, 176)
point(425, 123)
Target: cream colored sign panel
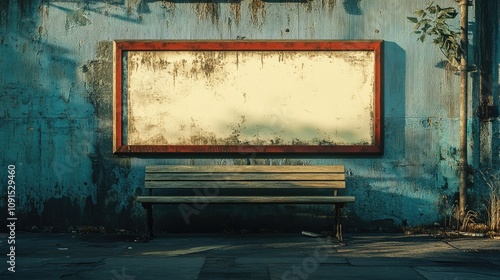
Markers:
point(250, 97)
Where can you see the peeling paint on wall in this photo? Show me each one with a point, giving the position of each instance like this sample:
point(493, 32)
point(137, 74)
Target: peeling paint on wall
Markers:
point(76, 18)
point(98, 82)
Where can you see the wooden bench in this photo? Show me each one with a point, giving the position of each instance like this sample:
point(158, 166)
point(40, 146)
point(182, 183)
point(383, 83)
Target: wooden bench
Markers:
point(213, 178)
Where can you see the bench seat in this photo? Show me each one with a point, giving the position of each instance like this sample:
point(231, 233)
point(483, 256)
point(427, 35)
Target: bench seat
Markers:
point(214, 178)
point(246, 199)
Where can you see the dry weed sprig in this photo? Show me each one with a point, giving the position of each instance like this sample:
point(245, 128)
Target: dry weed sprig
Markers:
point(493, 207)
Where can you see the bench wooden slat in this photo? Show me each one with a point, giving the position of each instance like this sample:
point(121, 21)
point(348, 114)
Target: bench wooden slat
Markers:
point(243, 184)
point(210, 177)
point(242, 177)
point(246, 168)
point(247, 199)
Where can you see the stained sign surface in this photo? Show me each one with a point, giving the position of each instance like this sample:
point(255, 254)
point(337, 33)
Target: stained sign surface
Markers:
point(235, 97)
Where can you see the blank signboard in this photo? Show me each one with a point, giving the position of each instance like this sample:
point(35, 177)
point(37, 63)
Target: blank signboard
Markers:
point(247, 97)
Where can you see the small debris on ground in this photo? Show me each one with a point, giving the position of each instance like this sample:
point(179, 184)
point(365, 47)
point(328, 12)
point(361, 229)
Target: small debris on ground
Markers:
point(311, 234)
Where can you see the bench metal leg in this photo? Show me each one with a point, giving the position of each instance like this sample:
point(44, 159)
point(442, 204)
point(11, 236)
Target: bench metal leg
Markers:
point(149, 210)
point(338, 221)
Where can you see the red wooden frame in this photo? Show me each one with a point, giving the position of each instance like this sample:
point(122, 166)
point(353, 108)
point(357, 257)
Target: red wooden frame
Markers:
point(120, 147)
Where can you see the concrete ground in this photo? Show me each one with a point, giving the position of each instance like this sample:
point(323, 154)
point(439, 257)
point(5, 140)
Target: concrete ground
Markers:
point(249, 256)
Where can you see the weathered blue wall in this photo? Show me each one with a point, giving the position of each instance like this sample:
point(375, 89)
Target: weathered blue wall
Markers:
point(56, 110)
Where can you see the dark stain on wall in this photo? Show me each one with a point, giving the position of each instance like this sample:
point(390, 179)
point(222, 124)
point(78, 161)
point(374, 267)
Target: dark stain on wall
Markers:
point(4, 14)
point(235, 8)
point(208, 63)
point(328, 4)
point(352, 7)
point(106, 169)
point(168, 5)
point(143, 7)
point(257, 7)
point(58, 215)
point(26, 12)
point(43, 10)
point(26, 8)
point(208, 11)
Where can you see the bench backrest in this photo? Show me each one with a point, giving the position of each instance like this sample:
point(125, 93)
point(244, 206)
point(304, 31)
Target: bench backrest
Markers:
point(245, 176)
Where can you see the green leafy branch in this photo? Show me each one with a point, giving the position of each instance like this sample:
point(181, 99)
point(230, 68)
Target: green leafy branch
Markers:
point(432, 22)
